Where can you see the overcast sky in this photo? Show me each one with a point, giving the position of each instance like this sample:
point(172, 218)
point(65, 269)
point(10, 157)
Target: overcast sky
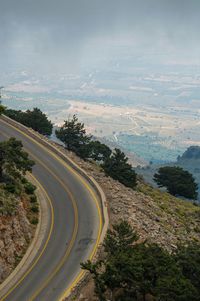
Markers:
point(67, 34)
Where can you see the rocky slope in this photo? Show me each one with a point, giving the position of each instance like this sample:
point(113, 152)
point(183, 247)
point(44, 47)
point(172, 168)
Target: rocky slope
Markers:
point(156, 216)
point(16, 231)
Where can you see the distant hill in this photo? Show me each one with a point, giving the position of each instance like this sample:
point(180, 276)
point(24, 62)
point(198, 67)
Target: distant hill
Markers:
point(190, 161)
point(193, 152)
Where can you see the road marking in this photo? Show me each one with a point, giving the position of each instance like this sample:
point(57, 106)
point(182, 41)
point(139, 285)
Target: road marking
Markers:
point(82, 273)
point(75, 230)
point(82, 180)
point(66, 255)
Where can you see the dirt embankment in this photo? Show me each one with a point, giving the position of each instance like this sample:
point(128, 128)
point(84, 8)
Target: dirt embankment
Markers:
point(17, 227)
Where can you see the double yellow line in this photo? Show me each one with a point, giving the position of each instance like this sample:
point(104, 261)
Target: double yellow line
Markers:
point(94, 198)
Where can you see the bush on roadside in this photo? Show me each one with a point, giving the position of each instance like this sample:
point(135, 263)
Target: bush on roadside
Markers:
point(29, 188)
point(35, 208)
point(133, 271)
point(34, 221)
point(33, 198)
point(10, 187)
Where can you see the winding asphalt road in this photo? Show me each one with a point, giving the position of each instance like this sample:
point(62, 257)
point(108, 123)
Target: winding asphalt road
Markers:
point(74, 225)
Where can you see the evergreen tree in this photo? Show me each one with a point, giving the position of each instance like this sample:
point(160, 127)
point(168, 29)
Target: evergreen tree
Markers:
point(14, 162)
point(119, 238)
point(140, 271)
point(175, 288)
point(38, 121)
point(73, 134)
point(117, 167)
point(34, 119)
point(2, 109)
point(177, 181)
point(15, 114)
point(188, 259)
point(99, 151)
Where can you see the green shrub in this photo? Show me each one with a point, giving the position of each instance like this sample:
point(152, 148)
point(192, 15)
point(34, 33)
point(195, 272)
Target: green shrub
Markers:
point(10, 188)
point(34, 119)
point(2, 109)
point(29, 188)
point(33, 198)
point(135, 271)
point(8, 203)
point(34, 221)
point(177, 181)
point(117, 167)
point(24, 180)
point(35, 208)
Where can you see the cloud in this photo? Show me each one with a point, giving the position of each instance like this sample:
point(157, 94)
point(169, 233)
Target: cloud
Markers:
point(64, 33)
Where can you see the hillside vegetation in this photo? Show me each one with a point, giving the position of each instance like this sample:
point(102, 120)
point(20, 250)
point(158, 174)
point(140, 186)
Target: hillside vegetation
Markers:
point(114, 163)
point(18, 205)
point(34, 119)
point(133, 270)
point(18, 221)
point(177, 181)
point(186, 215)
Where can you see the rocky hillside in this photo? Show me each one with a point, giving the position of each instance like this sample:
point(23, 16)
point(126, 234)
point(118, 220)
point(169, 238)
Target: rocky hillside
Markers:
point(156, 216)
point(16, 229)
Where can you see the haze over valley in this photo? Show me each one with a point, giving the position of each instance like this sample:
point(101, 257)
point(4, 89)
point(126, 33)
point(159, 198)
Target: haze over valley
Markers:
point(156, 116)
point(133, 78)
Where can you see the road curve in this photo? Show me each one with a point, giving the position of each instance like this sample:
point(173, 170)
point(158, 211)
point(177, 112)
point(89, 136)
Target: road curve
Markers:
point(73, 231)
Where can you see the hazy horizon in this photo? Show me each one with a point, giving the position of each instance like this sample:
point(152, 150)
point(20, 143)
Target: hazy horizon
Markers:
point(69, 36)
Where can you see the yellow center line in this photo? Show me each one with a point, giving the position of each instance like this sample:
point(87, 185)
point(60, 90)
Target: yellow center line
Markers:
point(94, 198)
point(75, 230)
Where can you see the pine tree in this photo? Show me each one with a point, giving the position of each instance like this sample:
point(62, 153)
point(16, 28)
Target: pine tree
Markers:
point(14, 162)
point(133, 271)
point(177, 181)
point(99, 151)
point(2, 109)
point(117, 167)
point(34, 119)
point(73, 134)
